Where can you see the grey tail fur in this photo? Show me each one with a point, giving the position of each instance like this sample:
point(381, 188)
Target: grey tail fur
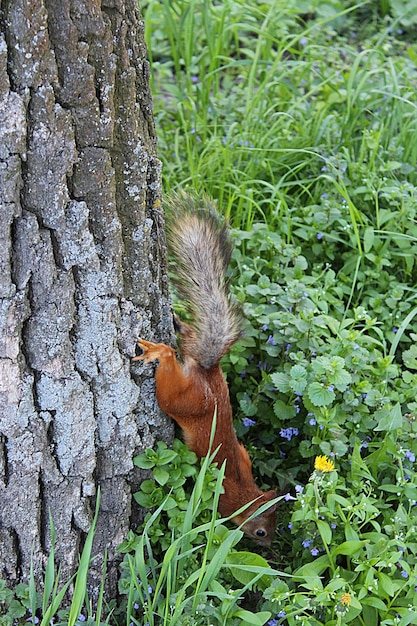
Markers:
point(200, 250)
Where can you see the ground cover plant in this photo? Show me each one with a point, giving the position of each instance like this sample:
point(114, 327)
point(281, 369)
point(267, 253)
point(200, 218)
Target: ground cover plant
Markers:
point(300, 119)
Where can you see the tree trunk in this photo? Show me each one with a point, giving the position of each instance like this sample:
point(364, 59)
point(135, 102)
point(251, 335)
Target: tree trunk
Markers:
point(82, 274)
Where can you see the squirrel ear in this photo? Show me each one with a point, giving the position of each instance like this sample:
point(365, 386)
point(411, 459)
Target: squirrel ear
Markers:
point(271, 495)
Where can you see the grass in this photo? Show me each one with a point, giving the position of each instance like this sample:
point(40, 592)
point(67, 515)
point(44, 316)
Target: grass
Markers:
point(300, 119)
point(256, 101)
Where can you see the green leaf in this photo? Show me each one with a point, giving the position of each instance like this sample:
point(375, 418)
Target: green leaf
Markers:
point(248, 407)
point(390, 418)
point(161, 475)
point(16, 610)
point(408, 616)
point(410, 357)
point(281, 382)
point(298, 381)
point(315, 568)
point(325, 531)
point(247, 559)
point(386, 584)
point(166, 456)
point(348, 547)
point(143, 461)
point(319, 394)
point(283, 411)
point(368, 239)
point(252, 619)
point(341, 379)
point(377, 603)
point(148, 486)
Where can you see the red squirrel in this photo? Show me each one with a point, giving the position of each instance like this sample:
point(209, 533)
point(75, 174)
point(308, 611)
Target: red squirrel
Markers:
point(191, 390)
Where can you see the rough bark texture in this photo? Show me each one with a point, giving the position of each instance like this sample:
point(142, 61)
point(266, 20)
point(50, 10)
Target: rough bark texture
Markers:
point(82, 274)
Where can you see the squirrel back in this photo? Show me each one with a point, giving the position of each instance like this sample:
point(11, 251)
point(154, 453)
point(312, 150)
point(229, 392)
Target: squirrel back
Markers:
point(201, 249)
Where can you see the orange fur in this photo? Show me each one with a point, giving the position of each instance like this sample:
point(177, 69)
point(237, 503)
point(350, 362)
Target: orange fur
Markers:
point(190, 394)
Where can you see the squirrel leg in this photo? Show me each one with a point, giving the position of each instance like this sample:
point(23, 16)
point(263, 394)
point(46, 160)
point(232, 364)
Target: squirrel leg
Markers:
point(170, 377)
point(177, 392)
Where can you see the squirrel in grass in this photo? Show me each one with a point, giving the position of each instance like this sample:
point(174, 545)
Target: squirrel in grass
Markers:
point(191, 390)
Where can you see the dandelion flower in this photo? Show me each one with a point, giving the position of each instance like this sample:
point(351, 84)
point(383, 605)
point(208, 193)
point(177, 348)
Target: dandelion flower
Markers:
point(323, 464)
point(343, 605)
point(346, 599)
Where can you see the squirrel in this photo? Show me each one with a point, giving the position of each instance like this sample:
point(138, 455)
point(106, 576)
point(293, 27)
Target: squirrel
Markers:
point(191, 390)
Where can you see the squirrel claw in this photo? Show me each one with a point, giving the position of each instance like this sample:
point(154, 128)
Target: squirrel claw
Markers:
point(151, 351)
point(146, 346)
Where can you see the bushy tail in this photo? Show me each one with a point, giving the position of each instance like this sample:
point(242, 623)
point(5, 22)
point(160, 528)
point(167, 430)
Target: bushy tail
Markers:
point(200, 250)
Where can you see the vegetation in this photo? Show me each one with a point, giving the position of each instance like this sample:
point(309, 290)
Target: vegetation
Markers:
point(300, 118)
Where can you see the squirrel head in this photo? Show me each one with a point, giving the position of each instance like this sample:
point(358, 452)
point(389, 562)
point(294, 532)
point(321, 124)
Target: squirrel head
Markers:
point(262, 527)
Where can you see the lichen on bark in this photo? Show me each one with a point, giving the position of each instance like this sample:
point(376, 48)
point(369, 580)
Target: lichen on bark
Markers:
point(82, 274)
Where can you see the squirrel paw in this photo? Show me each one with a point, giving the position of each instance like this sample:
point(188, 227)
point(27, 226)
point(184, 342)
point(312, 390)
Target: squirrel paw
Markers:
point(151, 351)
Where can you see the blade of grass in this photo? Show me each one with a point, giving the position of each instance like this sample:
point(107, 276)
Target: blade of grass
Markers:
point(82, 573)
point(50, 569)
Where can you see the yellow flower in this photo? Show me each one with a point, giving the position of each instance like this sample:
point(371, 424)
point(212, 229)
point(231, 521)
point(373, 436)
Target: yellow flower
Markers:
point(346, 599)
point(323, 464)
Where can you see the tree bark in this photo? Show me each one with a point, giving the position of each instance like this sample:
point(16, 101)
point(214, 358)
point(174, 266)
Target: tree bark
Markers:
point(82, 274)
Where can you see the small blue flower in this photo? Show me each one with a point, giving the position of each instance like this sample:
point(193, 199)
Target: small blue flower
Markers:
point(299, 489)
point(281, 614)
point(272, 622)
point(271, 340)
point(289, 497)
point(319, 236)
point(288, 433)
point(247, 422)
point(314, 551)
point(410, 456)
point(330, 388)
point(303, 41)
point(265, 327)
point(307, 543)
point(290, 525)
point(404, 574)
point(312, 421)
